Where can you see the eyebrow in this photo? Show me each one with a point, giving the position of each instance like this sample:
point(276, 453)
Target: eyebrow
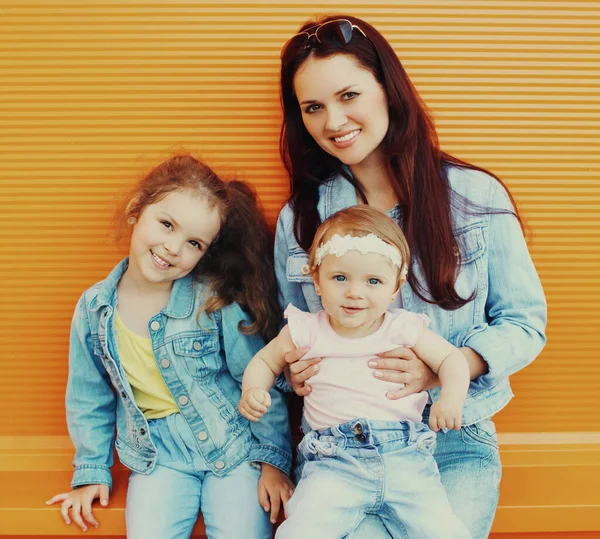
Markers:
point(311, 101)
point(172, 219)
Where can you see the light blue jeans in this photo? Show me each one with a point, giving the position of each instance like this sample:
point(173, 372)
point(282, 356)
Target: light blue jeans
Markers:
point(470, 469)
point(370, 467)
point(166, 503)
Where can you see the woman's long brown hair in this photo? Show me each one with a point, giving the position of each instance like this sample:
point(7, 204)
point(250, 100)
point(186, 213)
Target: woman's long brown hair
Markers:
point(415, 163)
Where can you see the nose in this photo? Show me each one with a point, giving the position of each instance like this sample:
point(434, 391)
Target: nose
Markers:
point(354, 290)
point(336, 118)
point(173, 245)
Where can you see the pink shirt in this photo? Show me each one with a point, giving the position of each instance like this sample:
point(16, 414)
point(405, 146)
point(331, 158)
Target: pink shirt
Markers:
point(345, 388)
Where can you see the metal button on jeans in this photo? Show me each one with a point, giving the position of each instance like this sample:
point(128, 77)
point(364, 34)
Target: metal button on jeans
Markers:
point(183, 400)
point(155, 326)
point(197, 346)
point(219, 465)
point(202, 436)
point(165, 363)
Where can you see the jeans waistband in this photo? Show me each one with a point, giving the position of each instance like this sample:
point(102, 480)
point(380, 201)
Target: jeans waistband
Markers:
point(363, 432)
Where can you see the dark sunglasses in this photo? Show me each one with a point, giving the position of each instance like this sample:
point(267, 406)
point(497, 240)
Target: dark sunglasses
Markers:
point(336, 32)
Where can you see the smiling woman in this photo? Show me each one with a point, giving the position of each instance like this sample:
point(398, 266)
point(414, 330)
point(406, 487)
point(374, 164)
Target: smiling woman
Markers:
point(356, 131)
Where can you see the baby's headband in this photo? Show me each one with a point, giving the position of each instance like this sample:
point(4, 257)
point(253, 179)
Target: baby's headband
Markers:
point(370, 243)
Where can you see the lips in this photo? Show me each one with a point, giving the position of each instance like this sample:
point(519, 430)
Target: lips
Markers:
point(347, 139)
point(352, 310)
point(160, 262)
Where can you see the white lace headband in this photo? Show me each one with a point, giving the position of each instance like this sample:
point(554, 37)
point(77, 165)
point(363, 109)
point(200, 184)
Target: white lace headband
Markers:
point(339, 246)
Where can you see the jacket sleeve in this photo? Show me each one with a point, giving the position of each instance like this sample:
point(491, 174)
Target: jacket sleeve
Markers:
point(272, 437)
point(91, 406)
point(516, 312)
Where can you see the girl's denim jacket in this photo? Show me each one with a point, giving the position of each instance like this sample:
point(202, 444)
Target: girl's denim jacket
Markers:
point(201, 359)
point(505, 323)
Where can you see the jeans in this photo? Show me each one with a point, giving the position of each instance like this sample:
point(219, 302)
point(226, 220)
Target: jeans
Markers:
point(470, 469)
point(370, 467)
point(166, 503)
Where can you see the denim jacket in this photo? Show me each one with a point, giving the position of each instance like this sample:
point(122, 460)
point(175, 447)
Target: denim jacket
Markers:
point(505, 323)
point(202, 360)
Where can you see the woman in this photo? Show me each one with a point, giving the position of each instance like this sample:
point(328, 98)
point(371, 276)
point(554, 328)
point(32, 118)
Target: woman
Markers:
point(356, 132)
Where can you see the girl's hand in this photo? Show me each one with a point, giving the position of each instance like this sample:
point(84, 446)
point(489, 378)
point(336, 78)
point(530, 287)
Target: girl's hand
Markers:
point(446, 414)
point(79, 501)
point(299, 371)
point(274, 488)
point(254, 403)
point(404, 367)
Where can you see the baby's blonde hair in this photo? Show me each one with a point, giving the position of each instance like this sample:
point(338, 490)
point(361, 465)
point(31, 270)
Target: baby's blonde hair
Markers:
point(360, 221)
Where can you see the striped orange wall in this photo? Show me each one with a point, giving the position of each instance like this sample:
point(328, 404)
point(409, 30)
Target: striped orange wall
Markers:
point(92, 94)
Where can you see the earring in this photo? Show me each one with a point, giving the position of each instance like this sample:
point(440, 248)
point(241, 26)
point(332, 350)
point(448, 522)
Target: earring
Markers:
point(317, 290)
point(131, 220)
point(393, 298)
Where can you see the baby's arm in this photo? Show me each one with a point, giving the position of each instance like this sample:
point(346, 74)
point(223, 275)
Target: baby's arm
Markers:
point(260, 375)
point(451, 366)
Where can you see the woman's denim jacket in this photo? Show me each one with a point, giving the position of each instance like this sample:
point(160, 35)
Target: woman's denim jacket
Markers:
point(201, 359)
point(505, 323)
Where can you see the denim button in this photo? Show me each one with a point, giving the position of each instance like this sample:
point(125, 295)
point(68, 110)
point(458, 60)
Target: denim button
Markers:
point(219, 465)
point(197, 346)
point(165, 363)
point(155, 326)
point(183, 400)
point(357, 428)
point(202, 436)
point(142, 431)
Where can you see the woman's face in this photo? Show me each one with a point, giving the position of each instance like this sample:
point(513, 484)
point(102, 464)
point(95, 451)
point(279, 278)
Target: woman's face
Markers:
point(343, 108)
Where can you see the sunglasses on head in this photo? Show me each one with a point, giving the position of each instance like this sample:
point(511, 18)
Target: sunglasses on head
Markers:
point(336, 32)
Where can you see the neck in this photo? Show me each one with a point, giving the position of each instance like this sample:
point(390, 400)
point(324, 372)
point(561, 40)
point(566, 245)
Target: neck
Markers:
point(134, 284)
point(363, 330)
point(374, 180)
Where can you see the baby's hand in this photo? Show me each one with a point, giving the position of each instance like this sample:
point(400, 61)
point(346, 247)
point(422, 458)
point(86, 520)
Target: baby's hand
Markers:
point(446, 414)
point(254, 403)
point(79, 503)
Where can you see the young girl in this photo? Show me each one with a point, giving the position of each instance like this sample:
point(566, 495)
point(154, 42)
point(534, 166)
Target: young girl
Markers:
point(359, 260)
point(355, 130)
point(157, 352)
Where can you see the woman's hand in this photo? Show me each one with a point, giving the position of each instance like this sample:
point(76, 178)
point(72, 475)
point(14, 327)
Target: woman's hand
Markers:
point(274, 488)
point(254, 403)
point(299, 371)
point(79, 501)
point(404, 367)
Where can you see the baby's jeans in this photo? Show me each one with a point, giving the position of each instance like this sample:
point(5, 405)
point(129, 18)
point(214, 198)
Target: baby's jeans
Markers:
point(165, 504)
point(370, 467)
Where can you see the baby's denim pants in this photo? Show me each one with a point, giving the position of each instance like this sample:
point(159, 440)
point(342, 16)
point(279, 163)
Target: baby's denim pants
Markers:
point(370, 467)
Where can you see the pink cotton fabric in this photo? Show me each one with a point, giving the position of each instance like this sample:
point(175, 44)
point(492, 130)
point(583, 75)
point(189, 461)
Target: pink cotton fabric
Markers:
point(345, 388)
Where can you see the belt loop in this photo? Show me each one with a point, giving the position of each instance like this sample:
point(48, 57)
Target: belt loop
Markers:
point(412, 432)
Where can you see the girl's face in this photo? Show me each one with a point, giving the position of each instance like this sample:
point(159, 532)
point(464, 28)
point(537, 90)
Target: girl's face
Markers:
point(171, 236)
point(356, 289)
point(343, 108)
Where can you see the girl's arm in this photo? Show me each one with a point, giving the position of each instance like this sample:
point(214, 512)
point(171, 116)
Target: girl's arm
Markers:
point(272, 434)
point(90, 404)
point(452, 368)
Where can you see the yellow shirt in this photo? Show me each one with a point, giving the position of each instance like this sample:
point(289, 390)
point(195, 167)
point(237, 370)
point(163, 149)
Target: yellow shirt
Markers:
point(149, 389)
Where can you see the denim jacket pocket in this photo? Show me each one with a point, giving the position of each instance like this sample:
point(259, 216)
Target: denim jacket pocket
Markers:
point(197, 350)
point(297, 272)
point(472, 277)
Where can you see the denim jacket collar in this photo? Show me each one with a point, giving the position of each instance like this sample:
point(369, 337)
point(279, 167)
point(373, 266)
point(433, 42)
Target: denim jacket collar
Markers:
point(334, 195)
point(181, 301)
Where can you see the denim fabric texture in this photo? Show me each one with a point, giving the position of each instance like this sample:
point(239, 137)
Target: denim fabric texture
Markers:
point(505, 324)
point(370, 467)
point(166, 502)
point(201, 358)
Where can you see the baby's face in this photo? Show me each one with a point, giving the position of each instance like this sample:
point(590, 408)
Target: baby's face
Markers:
point(356, 290)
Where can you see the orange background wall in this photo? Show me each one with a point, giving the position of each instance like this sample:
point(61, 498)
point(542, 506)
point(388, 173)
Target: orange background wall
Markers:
point(93, 94)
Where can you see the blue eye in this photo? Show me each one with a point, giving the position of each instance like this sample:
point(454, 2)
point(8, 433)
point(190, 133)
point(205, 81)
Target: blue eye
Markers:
point(340, 278)
point(374, 280)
